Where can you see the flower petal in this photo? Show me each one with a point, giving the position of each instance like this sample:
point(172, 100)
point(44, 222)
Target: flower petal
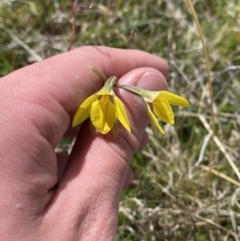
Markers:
point(173, 99)
point(163, 110)
point(103, 116)
point(121, 112)
point(153, 120)
point(82, 112)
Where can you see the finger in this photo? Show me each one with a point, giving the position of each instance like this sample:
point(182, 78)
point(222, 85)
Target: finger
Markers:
point(60, 83)
point(63, 158)
point(98, 168)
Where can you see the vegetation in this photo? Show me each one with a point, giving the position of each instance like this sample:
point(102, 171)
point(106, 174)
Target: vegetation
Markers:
point(186, 186)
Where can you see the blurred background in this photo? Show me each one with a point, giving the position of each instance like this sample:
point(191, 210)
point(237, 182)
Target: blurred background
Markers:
point(183, 189)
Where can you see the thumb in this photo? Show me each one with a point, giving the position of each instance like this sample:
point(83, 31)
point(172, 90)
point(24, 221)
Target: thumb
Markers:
point(99, 164)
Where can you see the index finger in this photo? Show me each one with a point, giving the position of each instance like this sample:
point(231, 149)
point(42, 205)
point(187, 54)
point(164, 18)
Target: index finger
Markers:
point(62, 82)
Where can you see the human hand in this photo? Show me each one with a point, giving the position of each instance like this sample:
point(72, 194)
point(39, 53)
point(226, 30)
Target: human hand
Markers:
point(37, 103)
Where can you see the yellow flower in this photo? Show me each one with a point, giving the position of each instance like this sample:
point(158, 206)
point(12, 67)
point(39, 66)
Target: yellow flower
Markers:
point(104, 109)
point(161, 102)
point(158, 104)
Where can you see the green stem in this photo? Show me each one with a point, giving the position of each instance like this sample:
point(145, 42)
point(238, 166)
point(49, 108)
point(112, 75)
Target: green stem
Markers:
point(135, 90)
point(110, 83)
point(99, 73)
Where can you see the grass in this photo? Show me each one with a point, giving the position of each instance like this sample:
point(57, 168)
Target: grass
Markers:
point(180, 191)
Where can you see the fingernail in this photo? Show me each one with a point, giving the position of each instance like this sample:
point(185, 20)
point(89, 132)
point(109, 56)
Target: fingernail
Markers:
point(152, 81)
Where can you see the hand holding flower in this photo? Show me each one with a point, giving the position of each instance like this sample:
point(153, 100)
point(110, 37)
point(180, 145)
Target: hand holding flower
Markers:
point(53, 197)
point(104, 107)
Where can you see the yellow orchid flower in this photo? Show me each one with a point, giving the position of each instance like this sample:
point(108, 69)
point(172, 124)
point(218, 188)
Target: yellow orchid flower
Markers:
point(158, 104)
point(104, 109)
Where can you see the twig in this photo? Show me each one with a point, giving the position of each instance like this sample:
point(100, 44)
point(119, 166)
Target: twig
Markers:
point(201, 154)
point(73, 33)
point(214, 224)
point(219, 174)
point(195, 18)
point(22, 44)
point(91, 4)
point(220, 145)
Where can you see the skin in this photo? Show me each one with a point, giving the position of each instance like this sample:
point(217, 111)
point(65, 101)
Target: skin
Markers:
point(49, 197)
